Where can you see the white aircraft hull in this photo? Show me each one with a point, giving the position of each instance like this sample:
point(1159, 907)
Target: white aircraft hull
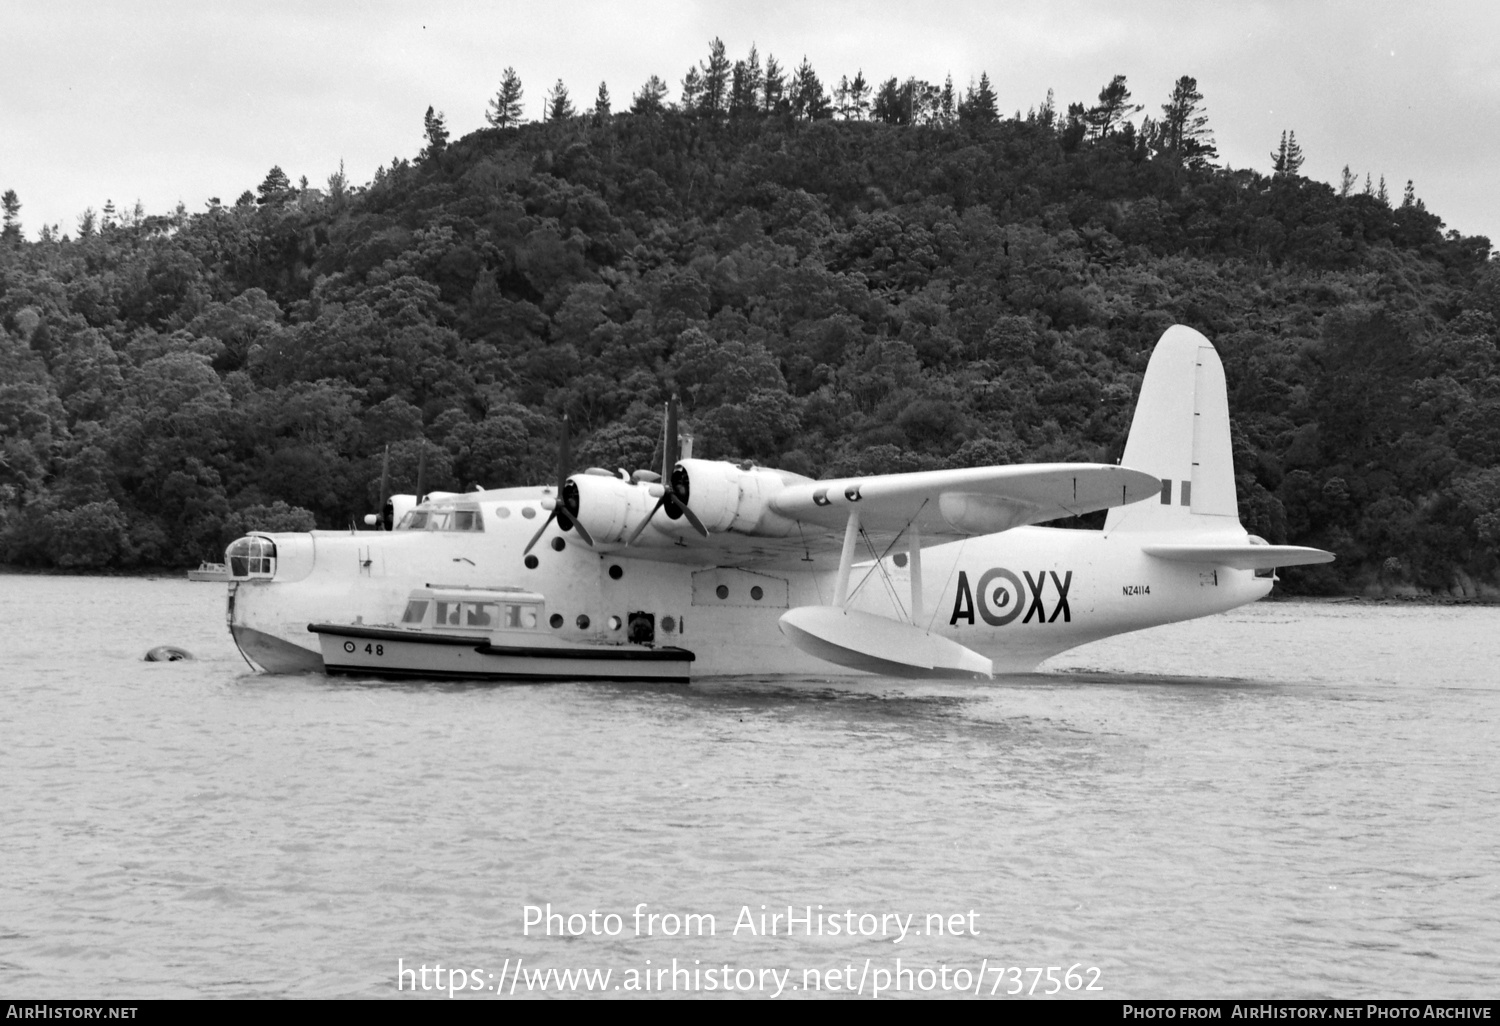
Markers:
point(779, 575)
point(1055, 589)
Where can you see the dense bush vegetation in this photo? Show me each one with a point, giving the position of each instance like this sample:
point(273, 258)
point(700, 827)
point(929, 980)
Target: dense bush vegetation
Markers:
point(933, 286)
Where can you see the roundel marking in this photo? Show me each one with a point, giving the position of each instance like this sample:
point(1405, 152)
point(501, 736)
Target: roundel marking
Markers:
point(1002, 597)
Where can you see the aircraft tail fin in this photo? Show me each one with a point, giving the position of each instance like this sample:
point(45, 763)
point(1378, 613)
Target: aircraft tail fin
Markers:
point(1180, 433)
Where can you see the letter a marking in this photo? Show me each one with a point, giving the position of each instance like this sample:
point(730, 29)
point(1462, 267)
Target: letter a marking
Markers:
point(1062, 597)
point(963, 601)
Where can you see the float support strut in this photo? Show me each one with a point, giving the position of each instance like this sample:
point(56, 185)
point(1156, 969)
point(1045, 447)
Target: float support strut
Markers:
point(914, 554)
point(846, 560)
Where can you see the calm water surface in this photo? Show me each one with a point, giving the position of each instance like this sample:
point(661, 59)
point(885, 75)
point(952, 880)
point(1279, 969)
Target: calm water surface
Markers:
point(1291, 800)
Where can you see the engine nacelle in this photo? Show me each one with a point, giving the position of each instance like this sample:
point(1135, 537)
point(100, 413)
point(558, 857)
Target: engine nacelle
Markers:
point(397, 506)
point(727, 498)
point(607, 507)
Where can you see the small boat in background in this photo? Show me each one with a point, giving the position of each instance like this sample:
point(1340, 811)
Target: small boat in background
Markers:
point(209, 572)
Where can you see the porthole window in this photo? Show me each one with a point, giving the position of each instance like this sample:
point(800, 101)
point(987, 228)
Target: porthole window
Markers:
point(556, 620)
point(583, 621)
point(899, 559)
point(558, 544)
point(668, 624)
point(756, 593)
point(614, 623)
point(615, 572)
point(503, 512)
point(722, 591)
point(528, 512)
point(531, 562)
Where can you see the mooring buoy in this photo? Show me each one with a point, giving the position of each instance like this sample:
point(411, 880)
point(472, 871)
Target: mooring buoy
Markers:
point(167, 654)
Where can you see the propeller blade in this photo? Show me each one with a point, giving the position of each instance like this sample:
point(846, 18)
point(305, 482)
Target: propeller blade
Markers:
point(385, 481)
point(564, 455)
point(692, 517)
point(539, 532)
point(583, 533)
point(642, 525)
point(669, 449)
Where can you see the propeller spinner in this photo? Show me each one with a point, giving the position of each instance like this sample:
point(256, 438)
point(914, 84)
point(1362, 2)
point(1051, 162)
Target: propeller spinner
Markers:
point(674, 494)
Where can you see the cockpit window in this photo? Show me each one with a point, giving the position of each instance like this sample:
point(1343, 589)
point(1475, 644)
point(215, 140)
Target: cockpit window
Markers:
point(467, 519)
point(416, 611)
point(251, 557)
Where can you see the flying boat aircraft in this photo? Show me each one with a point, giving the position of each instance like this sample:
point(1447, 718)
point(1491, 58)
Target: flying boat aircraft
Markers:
point(722, 568)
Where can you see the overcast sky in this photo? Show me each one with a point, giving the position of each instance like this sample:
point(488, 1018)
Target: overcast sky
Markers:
point(174, 100)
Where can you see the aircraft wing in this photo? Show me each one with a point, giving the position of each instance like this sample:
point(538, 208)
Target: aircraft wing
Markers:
point(759, 517)
point(948, 504)
point(1241, 557)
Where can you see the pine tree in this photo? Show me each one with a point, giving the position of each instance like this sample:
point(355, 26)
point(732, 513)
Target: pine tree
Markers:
point(88, 223)
point(1383, 196)
point(1047, 116)
point(338, 183)
point(651, 99)
point(601, 103)
point(1183, 130)
point(692, 89)
point(1287, 158)
point(1114, 107)
point(1346, 183)
point(505, 108)
point(947, 102)
point(274, 188)
point(986, 103)
point(107, 219)
point(715, 97)
point(11, 203)
point(436, 131)
point(773, 97)
point(888, 107)
point(807, 96)
point(1409, 197)
point(1293, 155)
point(755, 80)
point(841, 98)
point(559, 107)
point(741, 99)
point(1369, 189)
point(859, 96)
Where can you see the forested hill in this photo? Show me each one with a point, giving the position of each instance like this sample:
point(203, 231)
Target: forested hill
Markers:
point(828, 296)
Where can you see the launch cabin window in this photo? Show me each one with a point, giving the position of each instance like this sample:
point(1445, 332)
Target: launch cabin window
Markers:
point(416, 611)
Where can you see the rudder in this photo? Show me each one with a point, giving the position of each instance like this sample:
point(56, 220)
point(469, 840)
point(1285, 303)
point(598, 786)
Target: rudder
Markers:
point(1180, 433)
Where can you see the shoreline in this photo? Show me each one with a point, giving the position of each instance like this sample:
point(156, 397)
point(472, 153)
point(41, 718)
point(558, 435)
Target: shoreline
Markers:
point(180, 573)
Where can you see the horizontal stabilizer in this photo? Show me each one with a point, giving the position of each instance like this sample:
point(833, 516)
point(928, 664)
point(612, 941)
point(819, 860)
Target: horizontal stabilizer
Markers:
point(877, 644)
point(1241, 557)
